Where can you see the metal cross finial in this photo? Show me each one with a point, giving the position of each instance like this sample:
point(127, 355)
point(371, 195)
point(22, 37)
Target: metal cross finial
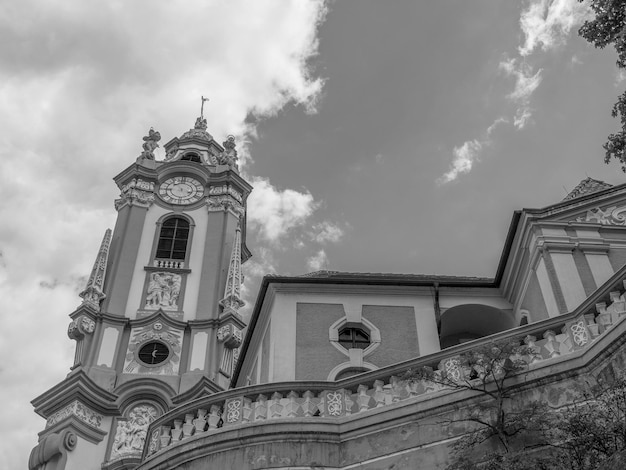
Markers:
point(202, 106)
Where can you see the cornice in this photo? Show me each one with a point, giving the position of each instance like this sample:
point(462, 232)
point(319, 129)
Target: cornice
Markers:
point(135, 170)
point(79, 427)
point(159, 315)
point(76, 386)
point(113, 319)
point(203, 323)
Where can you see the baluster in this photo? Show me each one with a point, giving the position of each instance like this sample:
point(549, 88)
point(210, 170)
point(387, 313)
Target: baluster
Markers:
point(592, 326)
point(349, 402)
point(395, 383)
point(552, 345)
point(188, 425)
point(387, 390)
point(363, 398)
point(200, 422)
point(214, 416)
point(308, 406)
point(247, 410)
point(165, 438)
point(379, 394)
point(617, 304)
point(276, 408)
point(534, 350)
point(260, 409)
point(292, 406)
point(414, 388)
point(177, 432)
point(604, 318)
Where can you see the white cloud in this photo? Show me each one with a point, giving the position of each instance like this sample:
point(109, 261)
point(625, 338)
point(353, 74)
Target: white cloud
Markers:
point(275, 212)
point(469, 153)
point(464, 158)
point(495, 124)
point(78, 91)
point(546, 24)
point(318, 261)
point(575, 60)
point(526, 82)
point(326, 232)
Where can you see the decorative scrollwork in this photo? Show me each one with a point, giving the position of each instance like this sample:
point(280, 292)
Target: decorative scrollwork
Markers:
point(334, 403)
point(233, 411)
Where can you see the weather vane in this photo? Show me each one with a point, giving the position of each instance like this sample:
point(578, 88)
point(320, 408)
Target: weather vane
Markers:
point(202, 107)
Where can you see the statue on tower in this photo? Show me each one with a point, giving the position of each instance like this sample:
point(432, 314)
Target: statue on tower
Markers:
point(229, 155)
point(201, 121)
point(150, 144)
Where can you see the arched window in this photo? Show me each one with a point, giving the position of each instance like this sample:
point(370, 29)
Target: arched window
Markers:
point(173, 239)
point(353, 338)
point(192, 157)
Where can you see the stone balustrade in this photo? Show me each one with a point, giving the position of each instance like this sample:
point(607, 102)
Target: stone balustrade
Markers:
point(359, 394)
point(169, 264)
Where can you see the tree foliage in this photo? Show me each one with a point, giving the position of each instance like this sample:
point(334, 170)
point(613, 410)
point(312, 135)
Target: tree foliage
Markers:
point(492, 416)
point(608, 27)
point(592, 431)
point(506, 433)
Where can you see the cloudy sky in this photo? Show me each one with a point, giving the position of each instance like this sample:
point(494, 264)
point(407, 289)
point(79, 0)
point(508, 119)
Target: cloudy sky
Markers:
point(394, 136)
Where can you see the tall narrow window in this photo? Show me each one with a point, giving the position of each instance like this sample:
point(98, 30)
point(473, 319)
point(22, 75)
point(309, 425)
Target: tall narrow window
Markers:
point(173, 239)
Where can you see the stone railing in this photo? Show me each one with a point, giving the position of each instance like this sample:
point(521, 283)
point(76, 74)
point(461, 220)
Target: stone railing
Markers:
point(548, 339)
point(168, 264)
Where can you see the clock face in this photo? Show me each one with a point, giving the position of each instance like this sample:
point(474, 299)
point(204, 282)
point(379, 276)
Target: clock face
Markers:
point(153, 353)
point(181, 190)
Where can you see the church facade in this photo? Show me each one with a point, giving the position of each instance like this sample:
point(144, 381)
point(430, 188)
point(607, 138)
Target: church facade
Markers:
point(168, 375)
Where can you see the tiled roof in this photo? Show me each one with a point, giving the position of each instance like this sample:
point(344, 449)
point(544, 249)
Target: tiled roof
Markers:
point(587, 186)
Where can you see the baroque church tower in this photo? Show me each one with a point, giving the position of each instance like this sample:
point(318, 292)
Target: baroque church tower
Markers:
point(159, 322)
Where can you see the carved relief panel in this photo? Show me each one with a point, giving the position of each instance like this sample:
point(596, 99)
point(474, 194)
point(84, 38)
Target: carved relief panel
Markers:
point(130, 432)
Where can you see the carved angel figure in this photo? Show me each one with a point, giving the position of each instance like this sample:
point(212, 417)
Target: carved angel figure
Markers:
point(150, 144)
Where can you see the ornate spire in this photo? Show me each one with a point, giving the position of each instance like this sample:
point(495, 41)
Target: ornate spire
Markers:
point(232, 294)
point(93, 293)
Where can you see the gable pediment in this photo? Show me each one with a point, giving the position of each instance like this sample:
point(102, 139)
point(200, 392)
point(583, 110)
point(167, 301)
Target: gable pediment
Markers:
point(606, 207)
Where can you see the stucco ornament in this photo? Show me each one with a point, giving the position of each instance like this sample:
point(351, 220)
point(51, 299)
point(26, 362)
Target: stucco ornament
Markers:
point(163, 291)
point(579, 333)
point(233, 411)
point(334, 403)
point(78, 410)
point(224, 203)
point(130, 434)
point(198, 132)
point(80, 326)
point(150, 144)
point(155, 332)
point(610, 216)
point(136, 192)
